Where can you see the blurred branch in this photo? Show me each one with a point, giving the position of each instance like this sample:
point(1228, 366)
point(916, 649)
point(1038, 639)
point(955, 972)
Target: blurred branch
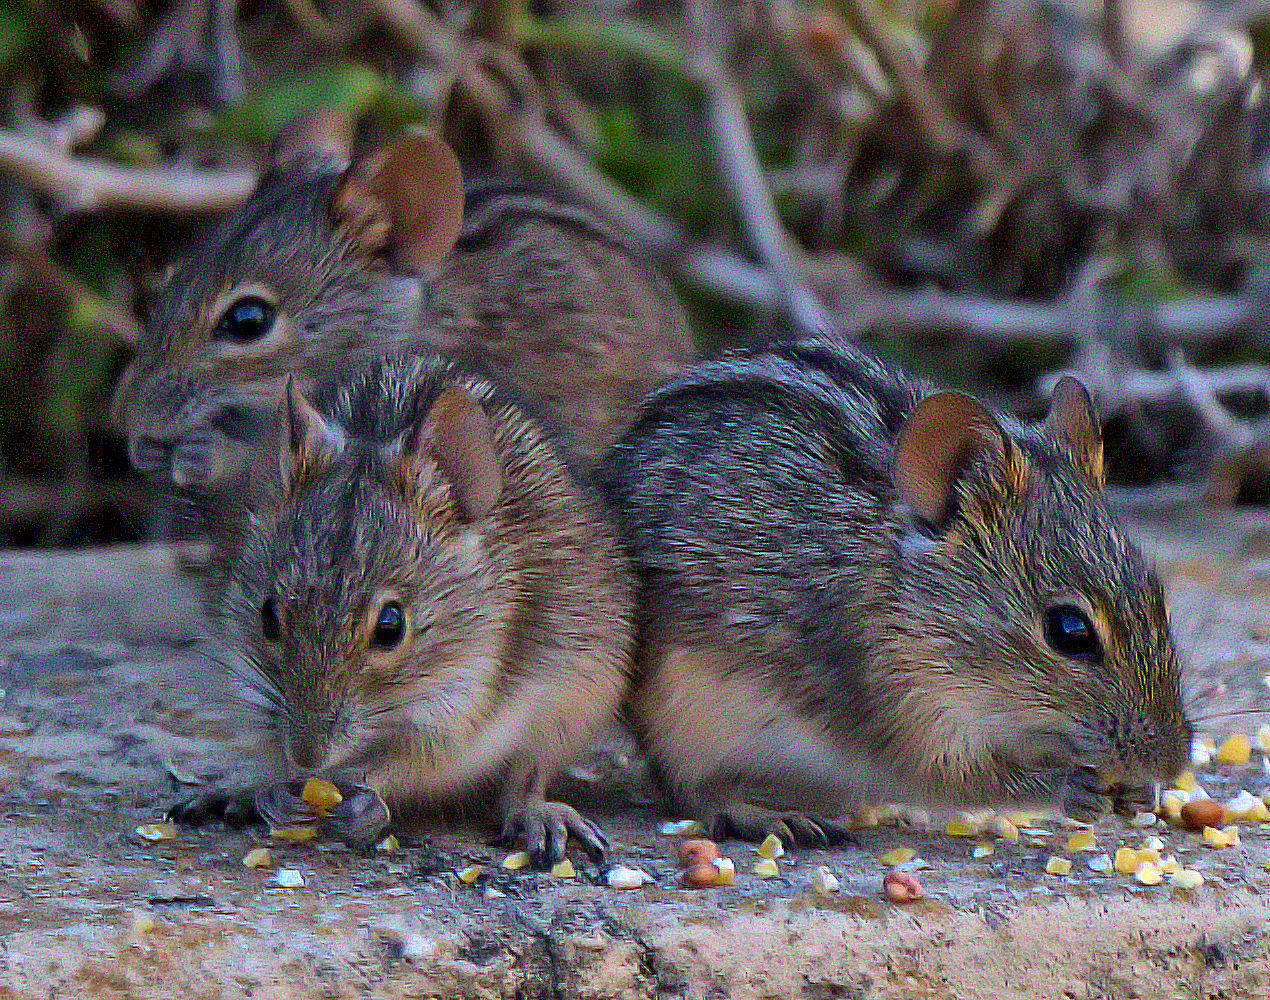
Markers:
point(43, 270)
point(326, 33)
point(619, 34)
point(87, 185)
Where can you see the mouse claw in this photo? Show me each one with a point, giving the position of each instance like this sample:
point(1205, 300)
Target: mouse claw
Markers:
point(280, 805)
point(546, 828)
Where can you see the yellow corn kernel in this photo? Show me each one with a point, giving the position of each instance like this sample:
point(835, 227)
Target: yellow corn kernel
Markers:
point(1148, 854)
point(1020, 818)
point(1126, 860)
point(470, 874)
point(1172, 802)
point(1187, 878)
point(771, 847)
point(898, 856)
point(959, 828)
point(1215, 838)
point(157, 831)
point(1058, 866)
point(564, 869)
point(1170, 865)
point(1235, 750)
point(516, 861)
point(296, 833)
point(1003, 828)
point(983, 850)
point(1186, 782)
point(1148, 874)
point(1232, 835)
point(389, 845)
point(824, 882)
point(766, 868)
point(1082, 840)
point(726, 869)
point(258, 858)
point(321, 795)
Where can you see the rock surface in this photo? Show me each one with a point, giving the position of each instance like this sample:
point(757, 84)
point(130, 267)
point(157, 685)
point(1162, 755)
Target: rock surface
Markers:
point(113, 703)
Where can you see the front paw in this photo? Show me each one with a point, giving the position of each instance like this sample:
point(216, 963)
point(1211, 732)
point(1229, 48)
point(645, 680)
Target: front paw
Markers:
point(199, 459)
point(233, 807)
point(793, 829)
point(545, 827)
point(1086, 796)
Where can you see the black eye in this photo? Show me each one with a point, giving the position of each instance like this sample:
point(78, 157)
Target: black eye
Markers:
point(246, 321)
point(269, 623)
point(390, 626)
point(1070, 632)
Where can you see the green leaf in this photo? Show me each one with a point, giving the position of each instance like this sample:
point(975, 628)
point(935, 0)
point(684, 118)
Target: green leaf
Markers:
point(17, 30)
point(352, 87)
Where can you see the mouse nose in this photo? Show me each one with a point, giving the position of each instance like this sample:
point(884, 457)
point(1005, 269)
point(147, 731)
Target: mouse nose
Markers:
point(306, 751)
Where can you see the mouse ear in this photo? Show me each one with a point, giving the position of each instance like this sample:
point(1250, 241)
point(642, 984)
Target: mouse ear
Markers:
point(1073, 419)
point(455, 442)
point(306, 440)
point(944, 436)
point(405, 198)
point(317, 140)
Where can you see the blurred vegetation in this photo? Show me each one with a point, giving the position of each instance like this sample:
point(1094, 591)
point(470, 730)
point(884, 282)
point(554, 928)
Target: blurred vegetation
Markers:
point(955, 185)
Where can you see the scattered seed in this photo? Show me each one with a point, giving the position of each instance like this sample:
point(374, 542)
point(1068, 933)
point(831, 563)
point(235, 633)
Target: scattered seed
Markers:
point(564, 869)
point(982, 850)
point(1004, 829)
point(901, 887)
point(897, 856)
point(680, 828)
point(697, 852)
point(289, 878)
point(1058, 866)
point(258, 857)
point(1148, 874)
point(1187, 878)
point(470, 874)
point(1263, 738)
point(389, 845)
point(1082, 840)
point(1144, 819)
point(824, 882)
point(1200, 813)
point(321, 795)
point(1235, 750)
point(295, 833)
point(622, 877)
point(1126, 860)
point(1099, 863)
point(771, 847)
point(517, 861)
point(156, 831)
point(1187, 783)
point(766, 868)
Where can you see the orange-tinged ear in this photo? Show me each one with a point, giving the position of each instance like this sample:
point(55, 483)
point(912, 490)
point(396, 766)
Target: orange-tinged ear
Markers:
point(455, 442)
point(405, 198)
point(1073, 419)
point(306, 440)
point(317, 139)
point(942, 438)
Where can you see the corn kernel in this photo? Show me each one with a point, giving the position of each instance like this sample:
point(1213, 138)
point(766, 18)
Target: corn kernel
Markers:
point(726, 869)
point(766, 868)
point(824, 882)
point(1232, 835)
point(1187, 878)
point(517, 861)
point(1058, 866)
point(157, 831)
point(1214, 837)
point(1148, 874)
point(1186, 782)
point(564, 869)
point(1126, 860)
point(622, 877)
point(960, 828)
point(294, 833)
point(1099, 863)
point(321, 795)
point(1153, 844)
point(1004, 829)
point(389, 845)
point(258, 858)
point(982, 850)
point(1235, 750)
point(470, 874)
point(1170, 865)
point(1082, 840)
point(771, 847)
point(680, 828)
point(1148, 854)
point(898, 856)
point(1144, 819)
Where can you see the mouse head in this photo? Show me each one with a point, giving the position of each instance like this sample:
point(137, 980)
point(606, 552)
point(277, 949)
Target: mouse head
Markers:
point(366, 607)
point(324, 258)
point(1029, 637)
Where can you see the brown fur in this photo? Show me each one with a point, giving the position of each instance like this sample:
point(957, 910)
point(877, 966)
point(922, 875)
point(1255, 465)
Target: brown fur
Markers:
point(829, 615)
point(519, 612)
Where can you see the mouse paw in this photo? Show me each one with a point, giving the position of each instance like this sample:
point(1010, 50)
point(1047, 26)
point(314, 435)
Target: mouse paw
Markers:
point(233, 807)
point(794, 829)
point(545, 827)
point(1086, 796)
point(360, 819)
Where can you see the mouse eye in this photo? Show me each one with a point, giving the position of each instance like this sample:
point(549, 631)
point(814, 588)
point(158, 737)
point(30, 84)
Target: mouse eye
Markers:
point(390, 626)
point(269, 623)
point(246, 321)
point(1069, 631)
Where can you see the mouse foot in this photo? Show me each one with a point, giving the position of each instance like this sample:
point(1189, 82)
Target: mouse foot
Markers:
point(233, 807)
point(1086, 797)
point(546, 826)
point(748, 822)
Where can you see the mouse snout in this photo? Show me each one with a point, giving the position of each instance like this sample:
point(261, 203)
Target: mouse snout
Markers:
point(308, 746)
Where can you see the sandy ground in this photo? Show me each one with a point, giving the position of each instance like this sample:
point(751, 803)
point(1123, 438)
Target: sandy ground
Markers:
point(112, 703)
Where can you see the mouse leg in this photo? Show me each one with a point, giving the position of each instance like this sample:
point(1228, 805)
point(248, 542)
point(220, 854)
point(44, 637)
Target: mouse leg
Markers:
point(234, 807)
point(546, 827)
point(717, 735)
